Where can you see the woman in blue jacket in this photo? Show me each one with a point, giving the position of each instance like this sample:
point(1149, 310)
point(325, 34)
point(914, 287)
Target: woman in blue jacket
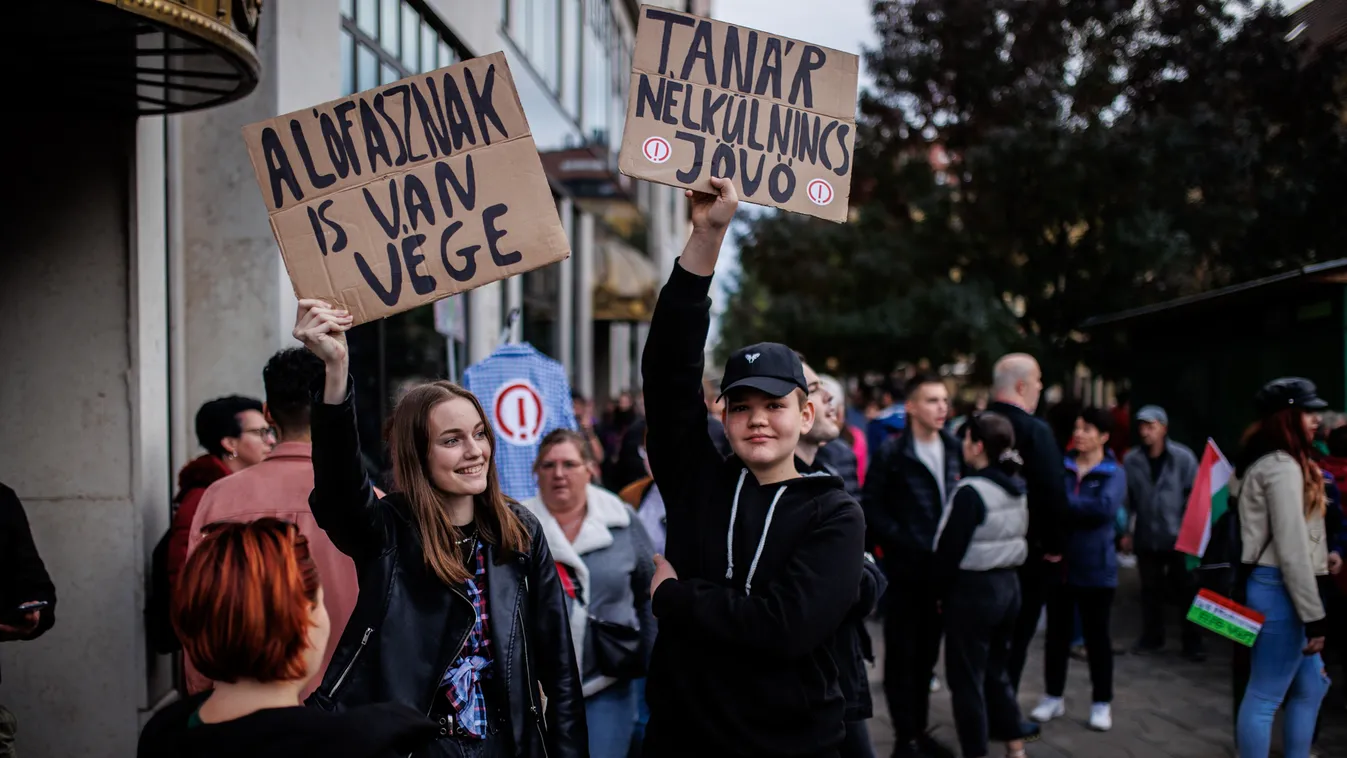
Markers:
point(1096, 487)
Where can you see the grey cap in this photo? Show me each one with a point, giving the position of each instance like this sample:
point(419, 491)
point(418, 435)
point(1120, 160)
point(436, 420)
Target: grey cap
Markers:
point(1153, 413)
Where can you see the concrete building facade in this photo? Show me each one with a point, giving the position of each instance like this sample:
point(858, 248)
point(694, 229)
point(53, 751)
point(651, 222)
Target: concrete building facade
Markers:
point(141, 279)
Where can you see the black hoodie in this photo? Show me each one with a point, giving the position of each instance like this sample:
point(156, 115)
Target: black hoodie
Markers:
point(766, 574)
point(371, 731)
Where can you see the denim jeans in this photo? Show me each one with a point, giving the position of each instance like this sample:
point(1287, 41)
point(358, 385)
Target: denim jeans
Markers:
point(1279, 671)
point(611, 715)
point(642, 718)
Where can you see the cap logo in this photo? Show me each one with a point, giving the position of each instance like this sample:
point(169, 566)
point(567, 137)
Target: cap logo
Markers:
point(753, 357)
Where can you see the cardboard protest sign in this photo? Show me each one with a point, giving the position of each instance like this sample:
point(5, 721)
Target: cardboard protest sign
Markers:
point(776, 115)
point(408, 192)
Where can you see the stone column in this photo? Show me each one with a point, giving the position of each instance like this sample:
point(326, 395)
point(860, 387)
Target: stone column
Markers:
point(584, 305)
point(566, 292)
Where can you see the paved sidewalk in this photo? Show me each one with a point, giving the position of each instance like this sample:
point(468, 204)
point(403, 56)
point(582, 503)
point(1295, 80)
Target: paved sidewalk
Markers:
point(1164, 706)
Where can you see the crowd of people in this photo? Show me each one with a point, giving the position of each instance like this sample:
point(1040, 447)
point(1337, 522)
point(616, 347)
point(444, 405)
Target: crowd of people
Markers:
point(696, 571)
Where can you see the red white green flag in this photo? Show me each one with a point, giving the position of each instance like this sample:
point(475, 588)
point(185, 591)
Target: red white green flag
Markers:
point(1209, 501)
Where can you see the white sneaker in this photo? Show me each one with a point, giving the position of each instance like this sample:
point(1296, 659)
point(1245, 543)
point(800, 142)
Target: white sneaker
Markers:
point(935, 684)
point(1048, 709)
point(1101, 717)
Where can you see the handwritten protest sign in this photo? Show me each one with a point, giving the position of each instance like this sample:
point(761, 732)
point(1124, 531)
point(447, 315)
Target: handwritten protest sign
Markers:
point(776, 115)
point(409, 192)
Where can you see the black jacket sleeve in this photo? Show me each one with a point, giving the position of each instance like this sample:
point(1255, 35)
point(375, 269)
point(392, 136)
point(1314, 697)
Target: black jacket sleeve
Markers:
point(966, 514)
point(1048, 507)
point(677, 439)
point(343, 501)
point(558, 673)
point(788, 616)
point(23, 576)
point(882, 527)
point(873, 585)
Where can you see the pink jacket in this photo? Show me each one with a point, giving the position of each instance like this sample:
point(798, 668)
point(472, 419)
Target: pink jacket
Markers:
point(279, 487)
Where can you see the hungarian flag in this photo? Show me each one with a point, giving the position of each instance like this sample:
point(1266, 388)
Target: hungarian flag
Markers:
point(1209, 502)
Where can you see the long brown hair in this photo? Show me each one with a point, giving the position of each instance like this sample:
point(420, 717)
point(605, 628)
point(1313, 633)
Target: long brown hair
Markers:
point(409, 444)
point(1284, 430)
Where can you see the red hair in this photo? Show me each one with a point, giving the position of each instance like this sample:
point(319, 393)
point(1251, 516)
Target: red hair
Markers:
point(1285, 430)
point(242, 603)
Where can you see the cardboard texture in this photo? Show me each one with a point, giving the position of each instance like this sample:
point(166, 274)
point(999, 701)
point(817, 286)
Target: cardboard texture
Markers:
point(409, 192)
point(776, 115)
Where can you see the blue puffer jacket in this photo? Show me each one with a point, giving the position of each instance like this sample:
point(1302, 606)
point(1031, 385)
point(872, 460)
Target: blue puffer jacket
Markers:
point(1091, 560)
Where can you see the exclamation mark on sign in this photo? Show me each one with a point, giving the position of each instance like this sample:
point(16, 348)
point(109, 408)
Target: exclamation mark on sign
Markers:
point(523, 420)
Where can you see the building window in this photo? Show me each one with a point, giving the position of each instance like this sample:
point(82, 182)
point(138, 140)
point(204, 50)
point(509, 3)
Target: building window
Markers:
point(383, 41)
point(572, 20)
point(597, 57)
point(607, 56)
point(538, 29)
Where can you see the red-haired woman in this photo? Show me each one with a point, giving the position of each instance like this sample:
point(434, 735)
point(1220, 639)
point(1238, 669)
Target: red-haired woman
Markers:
point(249, 611)
point(1281, 513)
point(460, 613)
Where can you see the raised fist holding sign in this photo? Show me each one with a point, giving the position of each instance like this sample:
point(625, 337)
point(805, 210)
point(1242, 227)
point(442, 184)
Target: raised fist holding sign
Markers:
point(322, 329)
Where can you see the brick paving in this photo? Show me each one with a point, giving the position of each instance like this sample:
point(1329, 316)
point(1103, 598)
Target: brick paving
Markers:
point(1164, 706)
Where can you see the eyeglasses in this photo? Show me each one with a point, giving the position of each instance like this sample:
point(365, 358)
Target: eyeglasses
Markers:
point(266, 433)
point(565, 465)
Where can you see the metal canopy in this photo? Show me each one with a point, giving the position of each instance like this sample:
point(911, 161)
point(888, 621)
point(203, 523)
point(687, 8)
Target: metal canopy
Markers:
point(141, 57)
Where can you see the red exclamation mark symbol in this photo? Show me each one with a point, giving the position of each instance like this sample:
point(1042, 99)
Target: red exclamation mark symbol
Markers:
point(523, 420)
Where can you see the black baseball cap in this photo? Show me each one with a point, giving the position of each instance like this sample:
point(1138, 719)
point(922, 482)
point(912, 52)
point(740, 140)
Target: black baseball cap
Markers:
point(769, 367)
point(1288, 392)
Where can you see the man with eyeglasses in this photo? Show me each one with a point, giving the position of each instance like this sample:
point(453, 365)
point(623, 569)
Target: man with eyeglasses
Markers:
point(279, 487)
point(236, 435)
point(851, 647)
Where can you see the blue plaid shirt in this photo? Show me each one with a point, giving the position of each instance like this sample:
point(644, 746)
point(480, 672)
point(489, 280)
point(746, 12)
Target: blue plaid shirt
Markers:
point(515, 453)
point(463, 680)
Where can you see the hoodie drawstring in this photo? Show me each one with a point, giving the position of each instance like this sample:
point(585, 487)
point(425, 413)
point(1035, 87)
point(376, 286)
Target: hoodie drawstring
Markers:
point(734, 515)
point(762, 541)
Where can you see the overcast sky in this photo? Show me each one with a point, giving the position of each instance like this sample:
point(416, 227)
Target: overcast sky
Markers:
point(839, 24)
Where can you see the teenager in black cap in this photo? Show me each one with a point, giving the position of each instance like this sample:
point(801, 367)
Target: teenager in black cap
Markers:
point(762, 564)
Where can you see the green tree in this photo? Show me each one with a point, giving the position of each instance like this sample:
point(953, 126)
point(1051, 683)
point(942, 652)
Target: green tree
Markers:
point(1103, 154)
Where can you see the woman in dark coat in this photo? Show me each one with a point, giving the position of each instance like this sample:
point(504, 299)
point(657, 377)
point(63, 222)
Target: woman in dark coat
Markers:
point(460, 613)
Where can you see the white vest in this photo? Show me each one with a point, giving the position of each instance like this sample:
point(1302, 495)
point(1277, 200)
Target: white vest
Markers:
point(999, 541)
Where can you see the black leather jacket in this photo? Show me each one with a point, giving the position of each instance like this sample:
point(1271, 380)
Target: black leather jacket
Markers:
point(408, 626)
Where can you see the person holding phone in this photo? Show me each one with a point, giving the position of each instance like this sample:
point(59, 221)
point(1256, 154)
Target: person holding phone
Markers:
point(27, 595)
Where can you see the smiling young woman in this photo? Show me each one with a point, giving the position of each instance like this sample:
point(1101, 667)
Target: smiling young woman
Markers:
point(441, 450)
point(461, 613)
